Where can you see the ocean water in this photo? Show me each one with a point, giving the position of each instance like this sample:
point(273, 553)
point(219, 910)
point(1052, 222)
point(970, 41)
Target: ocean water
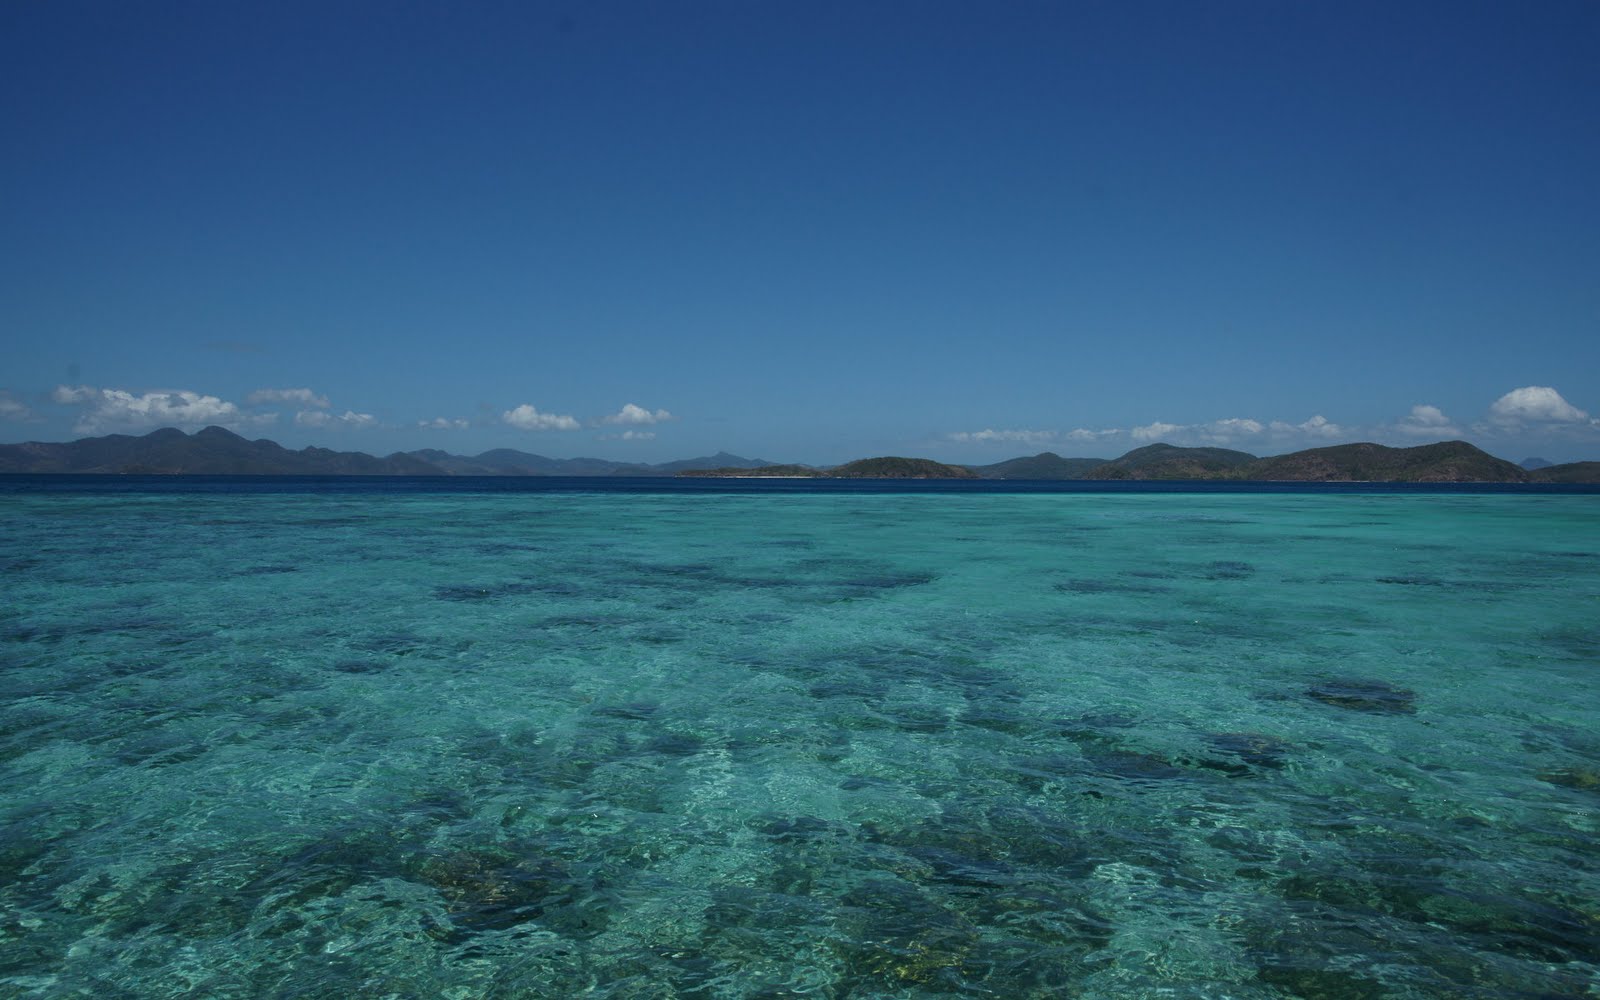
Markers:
point(349, 740)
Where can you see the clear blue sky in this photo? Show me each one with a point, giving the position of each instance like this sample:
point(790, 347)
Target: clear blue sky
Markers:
point(804, 231)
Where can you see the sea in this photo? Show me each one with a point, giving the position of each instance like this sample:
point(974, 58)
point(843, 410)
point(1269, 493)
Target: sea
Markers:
point(691, 738)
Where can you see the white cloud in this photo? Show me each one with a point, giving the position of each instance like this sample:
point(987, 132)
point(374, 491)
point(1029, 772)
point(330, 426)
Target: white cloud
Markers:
point(525, 417)
point(1428, 416)
point(444, 424)
point(1236, 425)
point(1227, 430)
point(1154, 431)
point(1427, 421)
point(986, 436)
point(631, 414)
point(74, 393)
point(1317, 426)
point(1215, 432)
point(629, 436)
point(12, 408)
point(120, 409)
point(1534, 404)
point(302, 397)
point(349, 418)
point(1249, 433)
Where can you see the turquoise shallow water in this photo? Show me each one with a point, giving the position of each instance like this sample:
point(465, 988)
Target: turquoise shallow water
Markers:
point(349, 744)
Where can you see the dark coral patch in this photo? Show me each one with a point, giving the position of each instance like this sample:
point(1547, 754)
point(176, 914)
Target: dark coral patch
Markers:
point(1254, 749)
point(361, 666)
point(1377, 697)
point(1586, 779)
point(1226, 569)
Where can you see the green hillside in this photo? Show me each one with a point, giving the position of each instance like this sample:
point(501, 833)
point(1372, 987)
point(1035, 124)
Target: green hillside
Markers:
point(899, 468)
point(765, 471)
point(1165, 461)
point(1444, 462)
point(1571, 472)
point(1046, 465)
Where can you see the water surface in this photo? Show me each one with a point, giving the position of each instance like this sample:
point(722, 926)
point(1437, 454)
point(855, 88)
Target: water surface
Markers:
point(353, 740)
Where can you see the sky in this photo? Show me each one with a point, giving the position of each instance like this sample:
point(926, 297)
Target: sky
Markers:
point(804, 232)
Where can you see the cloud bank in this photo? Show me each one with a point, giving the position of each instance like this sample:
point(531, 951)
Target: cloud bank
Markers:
point(1537, 410)
point(1227, 431)
point(118, 409)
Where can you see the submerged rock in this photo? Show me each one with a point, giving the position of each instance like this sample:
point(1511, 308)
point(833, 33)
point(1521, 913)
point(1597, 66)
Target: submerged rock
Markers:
point(489, 890)
point(1378, 697)
point(1585, 779)
point(633, 711)
point(894, 935)
point(1322, 983)
point(1228, 569)
point(1133, 765)
point(1253, 750)
point(361, 666)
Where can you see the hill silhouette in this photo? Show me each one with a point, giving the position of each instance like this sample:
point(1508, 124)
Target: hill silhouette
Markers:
point(218, 451)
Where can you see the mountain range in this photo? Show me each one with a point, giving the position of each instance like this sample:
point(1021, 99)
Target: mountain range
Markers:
point(217, 451)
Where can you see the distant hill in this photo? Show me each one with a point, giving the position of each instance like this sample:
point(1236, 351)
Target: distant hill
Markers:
point(721, 460)
point(1165, 461)
point(1444, 462)
point(1571, 472)
point(1535, 463)
point(899, 468)
point(213, 451)
point(510, 462)
point(217, 451)
point(756, 472)
point(1045, 465)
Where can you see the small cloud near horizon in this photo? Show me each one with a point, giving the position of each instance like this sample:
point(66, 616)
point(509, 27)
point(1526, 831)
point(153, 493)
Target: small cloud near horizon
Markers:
point(301, 397)
point(349, 418)
point(445, 424)
point(988, 435)
point(526, 417)
point(1427, 421)
point(1226, 431)
point(12, 408)
point(1317, 426)
point(636, 415)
